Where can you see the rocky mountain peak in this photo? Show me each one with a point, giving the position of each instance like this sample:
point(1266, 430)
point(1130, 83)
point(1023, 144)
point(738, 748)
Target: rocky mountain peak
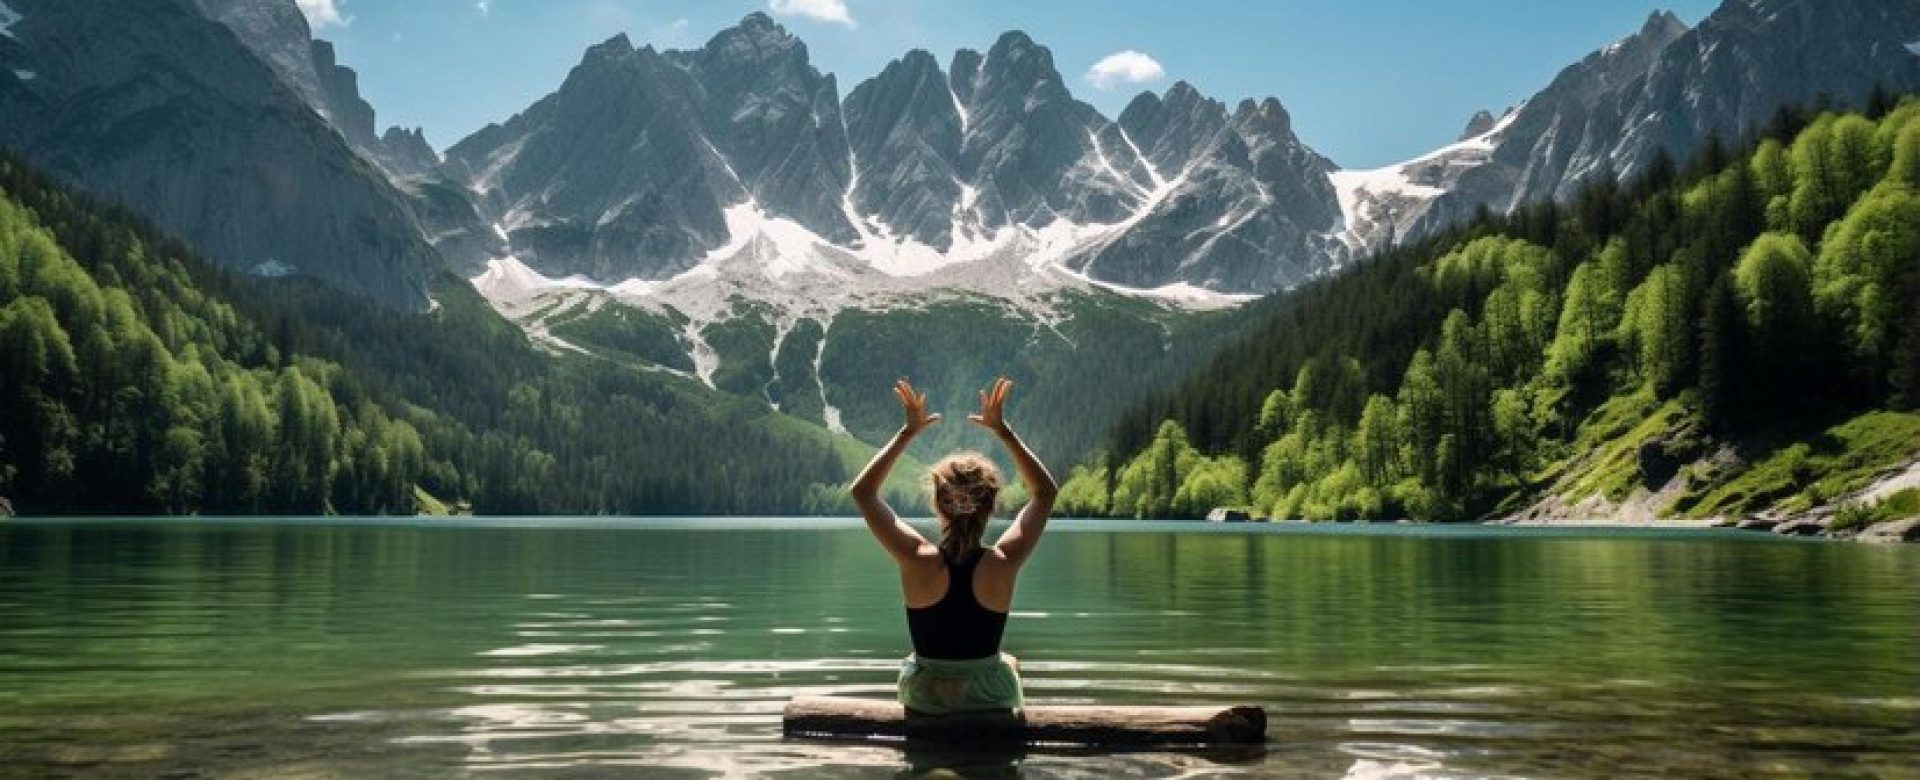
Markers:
point(1662, 24)
point(615, 49)
point(1017, 63)
point(1015, 43)
point(1266, 113)
point(920, 61)
point(905, 129)
point(1183, 92)
point(963, 71)
point(1478, 125)
point(409, 150)
point(756, 39)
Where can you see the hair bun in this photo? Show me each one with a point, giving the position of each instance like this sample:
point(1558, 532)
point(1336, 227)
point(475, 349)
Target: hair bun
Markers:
point(961, 503)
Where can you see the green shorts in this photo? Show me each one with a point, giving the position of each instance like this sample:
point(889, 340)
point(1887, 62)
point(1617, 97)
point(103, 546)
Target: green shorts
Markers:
point(930, 686)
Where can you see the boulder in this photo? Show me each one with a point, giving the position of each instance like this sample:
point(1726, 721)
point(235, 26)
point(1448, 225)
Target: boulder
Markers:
point(1224, 514)
point(1801, 526)
point(1894, 532)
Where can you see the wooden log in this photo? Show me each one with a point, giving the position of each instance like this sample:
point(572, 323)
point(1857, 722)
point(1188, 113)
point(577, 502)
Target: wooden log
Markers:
point(825, 717)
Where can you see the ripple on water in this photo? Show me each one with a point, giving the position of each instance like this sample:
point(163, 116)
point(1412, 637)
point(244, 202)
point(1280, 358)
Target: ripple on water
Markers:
point(521, 651)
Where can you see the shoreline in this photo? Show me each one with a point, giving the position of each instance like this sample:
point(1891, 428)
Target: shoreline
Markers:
point(1807, 527)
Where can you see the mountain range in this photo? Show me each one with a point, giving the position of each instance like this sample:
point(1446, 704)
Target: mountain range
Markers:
point(692, 211)
point(1665, 90)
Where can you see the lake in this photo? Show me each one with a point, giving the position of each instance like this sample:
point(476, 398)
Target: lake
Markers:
point(596, 648)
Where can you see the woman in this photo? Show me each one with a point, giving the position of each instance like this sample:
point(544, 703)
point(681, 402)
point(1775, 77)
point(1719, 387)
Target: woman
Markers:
point(958, 592)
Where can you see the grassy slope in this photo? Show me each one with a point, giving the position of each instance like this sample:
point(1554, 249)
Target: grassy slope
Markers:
point(1815, 466)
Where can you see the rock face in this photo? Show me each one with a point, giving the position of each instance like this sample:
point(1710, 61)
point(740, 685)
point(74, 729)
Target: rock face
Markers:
point(905, 127)
point(1481, 122)
point(644, 164)
point(609, 177)
point(628, 170)
point(277, 32)
point(409, 152)
point(1238, 202)
point(1030, 150)
point(776, 122)
point(1665, 88)
point(149, 103)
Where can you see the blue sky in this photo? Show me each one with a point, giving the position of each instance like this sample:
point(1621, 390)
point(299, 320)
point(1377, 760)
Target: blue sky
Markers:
point(1369, 82)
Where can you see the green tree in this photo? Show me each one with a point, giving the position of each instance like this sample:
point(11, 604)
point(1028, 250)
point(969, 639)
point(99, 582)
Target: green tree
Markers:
point(1656, 329)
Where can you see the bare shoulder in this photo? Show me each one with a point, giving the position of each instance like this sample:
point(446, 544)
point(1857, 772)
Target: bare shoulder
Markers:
point(996, 558)
point(925, 559)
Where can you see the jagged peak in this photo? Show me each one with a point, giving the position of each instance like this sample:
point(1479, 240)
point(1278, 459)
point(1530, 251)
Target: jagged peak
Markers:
point(1017, 57)
point(758, 33)
point(1478, 125)
point(1145, 101)
point(615, 47)
point(323, 54)
point(759, 20)
point(1660, 29)
point(1182, 91)
point(1014, 41)
point(1266, 110)
point(962, 70)
point(416, 132)
point(920, 60)
point(1662, 23)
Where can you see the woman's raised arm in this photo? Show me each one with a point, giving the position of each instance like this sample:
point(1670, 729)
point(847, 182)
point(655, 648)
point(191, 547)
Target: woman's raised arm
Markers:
point(899, 539)
point(1019, 539)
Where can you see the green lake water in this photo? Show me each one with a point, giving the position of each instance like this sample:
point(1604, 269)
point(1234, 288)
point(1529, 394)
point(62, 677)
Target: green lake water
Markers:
point(642, 648)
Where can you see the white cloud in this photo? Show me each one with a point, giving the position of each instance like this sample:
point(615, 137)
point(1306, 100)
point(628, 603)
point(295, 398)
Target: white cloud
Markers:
point(1126, 67)
point(834, 11)
point(323, 13)
point(485, 7)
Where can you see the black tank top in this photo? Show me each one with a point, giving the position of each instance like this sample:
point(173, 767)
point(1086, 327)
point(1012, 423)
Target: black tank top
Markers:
point(957, 627)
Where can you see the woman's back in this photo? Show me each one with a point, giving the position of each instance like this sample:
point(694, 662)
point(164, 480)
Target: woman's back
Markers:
point(957, 626)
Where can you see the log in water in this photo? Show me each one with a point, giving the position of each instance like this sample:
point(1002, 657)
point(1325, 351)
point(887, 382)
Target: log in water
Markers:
point(824, 717)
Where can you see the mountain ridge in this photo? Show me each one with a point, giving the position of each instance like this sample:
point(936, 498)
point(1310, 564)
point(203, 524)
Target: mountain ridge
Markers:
point(917, 170)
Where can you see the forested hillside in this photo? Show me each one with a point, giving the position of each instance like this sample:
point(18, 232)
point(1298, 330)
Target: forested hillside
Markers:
point(138, 380)
point(1736, 335)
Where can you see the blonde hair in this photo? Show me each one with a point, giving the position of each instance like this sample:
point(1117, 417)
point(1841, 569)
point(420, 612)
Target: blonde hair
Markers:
point(965, 485)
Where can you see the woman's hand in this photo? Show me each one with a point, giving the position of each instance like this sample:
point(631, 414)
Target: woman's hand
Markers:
point(915, 405)
point(992, 402)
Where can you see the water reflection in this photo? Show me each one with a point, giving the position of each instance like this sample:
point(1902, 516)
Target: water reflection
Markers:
point(431, 651)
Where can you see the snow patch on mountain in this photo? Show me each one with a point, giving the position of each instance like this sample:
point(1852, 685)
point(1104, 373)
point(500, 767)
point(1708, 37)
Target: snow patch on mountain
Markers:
point(1153, 172)
point(1914, 46)
point(1378, 206)
point(1359, 189)
point(25, 75)
point(790, 274)
point(8, 18)
point(966, 119)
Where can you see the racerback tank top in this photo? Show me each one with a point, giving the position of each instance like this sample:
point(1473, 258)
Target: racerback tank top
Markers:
point(957, 627)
